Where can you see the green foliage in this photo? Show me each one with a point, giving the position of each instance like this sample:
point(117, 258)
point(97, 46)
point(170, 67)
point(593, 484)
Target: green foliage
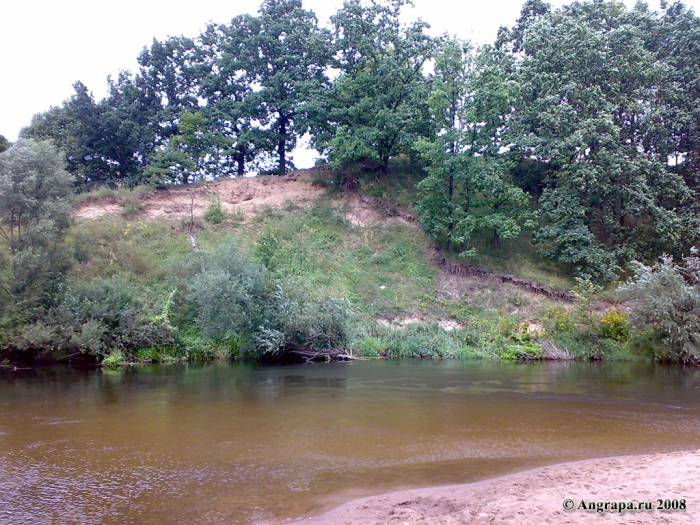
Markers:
point(665, 311)
point(589, 108)
point(236, 298)
point(35, 210)
point(114, 360)
point(614, 325)
point(379, 269)
point(291, 53)
point(468, 186)
point(585, 293)
point(376, 107)
point(215, 212)
point(106, 315)
point(132, 206)
point(526, 351)
point(413, 340)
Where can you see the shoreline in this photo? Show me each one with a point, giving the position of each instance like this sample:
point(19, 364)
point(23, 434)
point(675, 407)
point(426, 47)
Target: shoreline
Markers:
point(537, 496)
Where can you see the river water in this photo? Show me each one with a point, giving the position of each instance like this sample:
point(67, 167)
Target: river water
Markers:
point(238, 443)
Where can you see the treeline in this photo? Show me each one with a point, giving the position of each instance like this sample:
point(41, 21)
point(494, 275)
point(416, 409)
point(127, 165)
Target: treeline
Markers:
point(578, 123)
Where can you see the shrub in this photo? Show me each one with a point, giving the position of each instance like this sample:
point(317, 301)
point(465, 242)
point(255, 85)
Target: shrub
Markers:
point(96, 318)
point(132, 205)
point(613, 325)
point(215, 212)
point(665, 312)
point(525, 351)
point(298, 320)
point(559, 321)
point(419, 340)
point(240, 304)
point(114, 360)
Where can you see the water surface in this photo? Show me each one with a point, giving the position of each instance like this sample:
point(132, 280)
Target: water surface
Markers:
point(230, 444)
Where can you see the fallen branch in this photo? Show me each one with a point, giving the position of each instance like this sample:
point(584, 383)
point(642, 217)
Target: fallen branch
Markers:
point(467, 270)
point(328, 354)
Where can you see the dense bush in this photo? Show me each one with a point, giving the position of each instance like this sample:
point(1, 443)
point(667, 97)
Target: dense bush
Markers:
point(665, 312)
point(96, 318)
point(238, 300)
point(35, 193)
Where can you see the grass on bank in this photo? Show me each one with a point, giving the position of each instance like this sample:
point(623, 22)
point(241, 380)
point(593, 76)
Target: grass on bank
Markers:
point(382, 271)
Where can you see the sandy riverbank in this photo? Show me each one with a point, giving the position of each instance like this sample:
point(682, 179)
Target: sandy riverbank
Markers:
point(537, 496)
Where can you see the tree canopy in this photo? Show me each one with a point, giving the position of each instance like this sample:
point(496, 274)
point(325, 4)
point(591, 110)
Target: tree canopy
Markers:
point(584, 117)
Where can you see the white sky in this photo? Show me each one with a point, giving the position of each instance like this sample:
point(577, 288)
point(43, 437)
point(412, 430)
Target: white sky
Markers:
point(47, 45)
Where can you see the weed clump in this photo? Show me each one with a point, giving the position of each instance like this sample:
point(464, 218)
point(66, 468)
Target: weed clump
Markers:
point(215, 212)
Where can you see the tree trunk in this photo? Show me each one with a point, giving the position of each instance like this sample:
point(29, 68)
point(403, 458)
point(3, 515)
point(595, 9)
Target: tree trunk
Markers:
point(240, 162)
point(450, 226)
point(281, 146)
point(496, 240)
point(385, 165)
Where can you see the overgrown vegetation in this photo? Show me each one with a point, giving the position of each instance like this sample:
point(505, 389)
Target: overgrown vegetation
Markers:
point(563, 153)
point(665, 313)
point(577, 126)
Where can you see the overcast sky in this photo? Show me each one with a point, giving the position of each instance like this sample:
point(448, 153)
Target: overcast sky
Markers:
point(47, 45)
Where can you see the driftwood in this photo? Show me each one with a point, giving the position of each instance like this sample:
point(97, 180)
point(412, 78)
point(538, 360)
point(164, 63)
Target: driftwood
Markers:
point(470, 270)
point(309, 355)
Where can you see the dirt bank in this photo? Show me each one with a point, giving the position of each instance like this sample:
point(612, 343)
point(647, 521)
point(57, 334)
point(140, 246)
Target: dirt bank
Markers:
point(245, 196)
point(537, 496)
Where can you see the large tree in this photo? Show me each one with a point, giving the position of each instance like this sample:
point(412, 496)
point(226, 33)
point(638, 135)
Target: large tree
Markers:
point(34, 216)
point(233, 109)
point(468, 187)
point(289, 61)
point(589, 97)
point(377, 106)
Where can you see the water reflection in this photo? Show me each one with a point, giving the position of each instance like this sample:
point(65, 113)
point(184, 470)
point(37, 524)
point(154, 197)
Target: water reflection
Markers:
point(237, 443)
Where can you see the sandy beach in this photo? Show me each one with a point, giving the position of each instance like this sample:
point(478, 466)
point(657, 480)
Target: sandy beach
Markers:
point(538, 496)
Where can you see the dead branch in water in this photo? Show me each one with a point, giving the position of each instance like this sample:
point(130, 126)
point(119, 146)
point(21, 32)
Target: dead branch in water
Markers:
point(326, 354)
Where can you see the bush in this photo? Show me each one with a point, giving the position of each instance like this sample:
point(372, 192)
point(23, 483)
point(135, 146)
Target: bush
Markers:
point(239, 302)
point(665, 312)
point(132, 205)
point(97, 318)
point(613, 325)
point(417, 340)
point(297, 320)
point(215, 213)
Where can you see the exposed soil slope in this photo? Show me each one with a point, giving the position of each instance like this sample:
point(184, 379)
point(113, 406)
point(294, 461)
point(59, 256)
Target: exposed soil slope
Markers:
point(245, 196)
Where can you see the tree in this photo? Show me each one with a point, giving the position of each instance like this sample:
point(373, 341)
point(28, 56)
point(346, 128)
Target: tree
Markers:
point(665, 308)
point(289, 58)
point(468, 186)
point(4, 144)
point(376, 108)
point(588, 98)
point(34, 216)
point(233, 108)
point(81, 129)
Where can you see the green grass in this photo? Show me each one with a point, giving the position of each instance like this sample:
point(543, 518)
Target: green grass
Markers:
point(383, 271)
point(380, 269)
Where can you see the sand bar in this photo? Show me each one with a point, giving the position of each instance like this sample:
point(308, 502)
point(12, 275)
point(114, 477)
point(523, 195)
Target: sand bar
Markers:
point(537, 496)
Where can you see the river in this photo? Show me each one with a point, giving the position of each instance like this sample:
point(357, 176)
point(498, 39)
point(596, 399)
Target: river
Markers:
point(241, 443)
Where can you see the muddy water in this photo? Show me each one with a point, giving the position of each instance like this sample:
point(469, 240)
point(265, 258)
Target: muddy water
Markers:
point(226, 444)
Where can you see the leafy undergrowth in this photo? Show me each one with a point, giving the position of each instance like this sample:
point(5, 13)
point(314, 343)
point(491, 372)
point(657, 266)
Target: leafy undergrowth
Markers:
point(401, 304)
